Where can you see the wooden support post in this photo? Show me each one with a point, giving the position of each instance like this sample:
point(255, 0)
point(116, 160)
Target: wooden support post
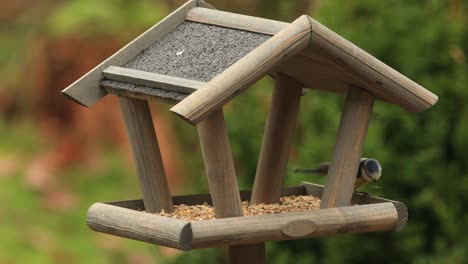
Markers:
point(352, 132)
point(277, 140)
point(275, 146)
point(146, 154)
point(222, 180)
point(219, 166)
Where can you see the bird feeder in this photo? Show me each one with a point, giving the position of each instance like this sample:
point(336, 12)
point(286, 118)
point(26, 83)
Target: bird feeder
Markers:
point(199, 58)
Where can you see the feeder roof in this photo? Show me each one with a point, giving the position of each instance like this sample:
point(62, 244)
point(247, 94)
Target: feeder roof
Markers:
point(219, 54)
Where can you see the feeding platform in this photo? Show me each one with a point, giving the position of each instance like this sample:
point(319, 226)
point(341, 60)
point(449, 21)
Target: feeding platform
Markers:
point(127, 219)
point(199, 59)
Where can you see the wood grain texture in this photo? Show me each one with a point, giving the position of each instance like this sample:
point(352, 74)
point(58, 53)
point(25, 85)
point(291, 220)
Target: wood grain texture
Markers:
point(144, 227)
point(183, 235)
point(306, 188)
point(364, 198)
point(222, 182)
point(219, 166)
point(299, 228)
point(277, 139)
point(146, 154)
point(317, 70)
point(333, 221)
point(379, 79)
point(245, 72)
point(331, 63)
point(237, 21)
point(86, 90)
point(347, 153)
point(154, 80)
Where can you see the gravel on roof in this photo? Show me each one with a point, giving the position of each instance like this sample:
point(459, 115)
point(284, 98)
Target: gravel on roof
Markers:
point(196, 51)
point(168, 96)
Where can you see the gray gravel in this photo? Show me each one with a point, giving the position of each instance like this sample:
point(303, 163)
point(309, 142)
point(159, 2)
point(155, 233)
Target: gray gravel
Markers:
point(196, 51)
point(171, 97)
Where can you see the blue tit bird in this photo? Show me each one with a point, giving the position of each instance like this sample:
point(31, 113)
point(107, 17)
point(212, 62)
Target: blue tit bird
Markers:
point(369, 171)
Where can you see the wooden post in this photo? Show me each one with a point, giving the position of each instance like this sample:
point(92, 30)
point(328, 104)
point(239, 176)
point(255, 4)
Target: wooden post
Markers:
point(352, 132)
point(222, 180)
point(146, 154)
point(276, 143)
point(219, 166)
point(277, 140)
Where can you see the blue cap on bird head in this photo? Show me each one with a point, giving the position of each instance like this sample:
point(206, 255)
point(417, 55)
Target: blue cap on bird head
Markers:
point(373, 169)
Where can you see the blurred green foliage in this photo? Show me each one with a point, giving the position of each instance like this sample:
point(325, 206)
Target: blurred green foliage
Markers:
point(31, 232)
point(423, 154)
point(116, 17)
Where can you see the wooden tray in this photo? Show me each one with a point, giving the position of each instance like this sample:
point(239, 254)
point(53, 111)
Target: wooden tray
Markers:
point(366, 214)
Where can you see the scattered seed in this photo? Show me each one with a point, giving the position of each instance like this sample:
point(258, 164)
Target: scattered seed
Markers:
point(206, 211)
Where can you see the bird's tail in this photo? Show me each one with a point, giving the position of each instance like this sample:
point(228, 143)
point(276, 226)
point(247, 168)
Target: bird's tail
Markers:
point(307, 171)
point(320, 169)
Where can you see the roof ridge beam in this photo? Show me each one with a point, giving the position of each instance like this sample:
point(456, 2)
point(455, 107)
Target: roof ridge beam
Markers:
point(237, 21)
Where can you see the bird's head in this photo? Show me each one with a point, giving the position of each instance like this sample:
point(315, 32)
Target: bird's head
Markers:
point(372, 170)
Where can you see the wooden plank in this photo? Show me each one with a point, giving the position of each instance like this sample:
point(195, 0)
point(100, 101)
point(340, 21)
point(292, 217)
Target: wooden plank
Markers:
point(146, 154)
point(245, 72)
point(380, 78)
point(344, 165)
point(144, 227)
point(219, 166)
point(287, 226)
point(149, 79)
point(86, 90)
point(277, 140)
point(364, 198)
point(237, 21)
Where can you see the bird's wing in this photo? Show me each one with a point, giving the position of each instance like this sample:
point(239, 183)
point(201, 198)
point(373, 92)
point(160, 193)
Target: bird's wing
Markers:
point(360, 182)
